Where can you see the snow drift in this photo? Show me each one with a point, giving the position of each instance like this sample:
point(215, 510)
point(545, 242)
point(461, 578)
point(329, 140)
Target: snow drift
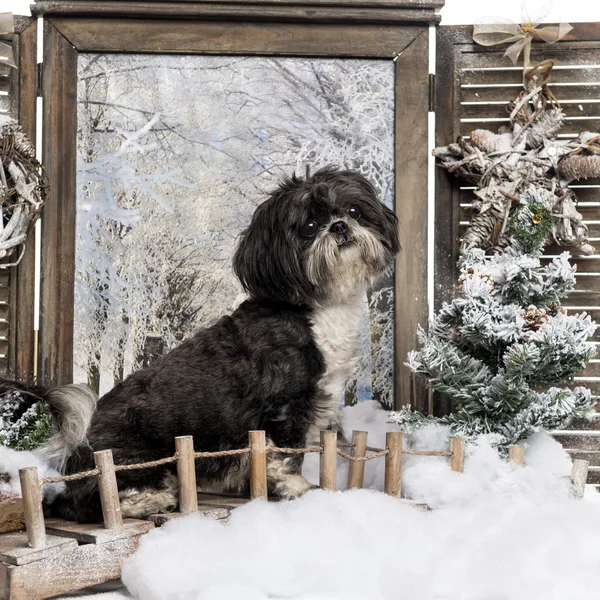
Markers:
point(499, 532)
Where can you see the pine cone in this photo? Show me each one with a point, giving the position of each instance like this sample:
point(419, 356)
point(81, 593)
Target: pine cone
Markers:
point(534, 317)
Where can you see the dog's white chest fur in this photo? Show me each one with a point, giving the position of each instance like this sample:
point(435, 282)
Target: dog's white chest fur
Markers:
point(336, 330)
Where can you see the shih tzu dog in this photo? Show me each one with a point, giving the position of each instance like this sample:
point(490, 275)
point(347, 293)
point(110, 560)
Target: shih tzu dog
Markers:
point(279, 363)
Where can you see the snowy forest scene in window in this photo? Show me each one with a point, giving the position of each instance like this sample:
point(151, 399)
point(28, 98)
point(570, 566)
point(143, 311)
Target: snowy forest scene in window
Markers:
point(174, 153)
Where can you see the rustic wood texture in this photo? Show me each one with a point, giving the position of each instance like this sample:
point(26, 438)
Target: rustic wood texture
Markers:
point(579, 477)
point(58, 225)
point(258, 464)
point(189, 37)
point(517, 454)
point(96, 533)
point(328, 461)
point(15, 550)
point(186, 474)
point(16, 338)
point(314, 13)
point(218, 514)
point(410, 300)
point(82, 567)
point(109, 492)
point(12, 514)
point(356, 470)
point(32, 506)
point(427, 4)
point(457, 460)
point(393, 464)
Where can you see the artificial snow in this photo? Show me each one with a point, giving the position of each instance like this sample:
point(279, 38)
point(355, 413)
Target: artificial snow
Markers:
point(497, 532)
point(13, 460)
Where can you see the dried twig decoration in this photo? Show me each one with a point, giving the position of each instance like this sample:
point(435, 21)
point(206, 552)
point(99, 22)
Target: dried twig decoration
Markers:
point(23, 187)
point(522, 160)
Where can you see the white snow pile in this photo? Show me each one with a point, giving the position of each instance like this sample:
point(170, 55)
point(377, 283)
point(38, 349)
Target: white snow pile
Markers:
point(13, 460)
point(498, 532)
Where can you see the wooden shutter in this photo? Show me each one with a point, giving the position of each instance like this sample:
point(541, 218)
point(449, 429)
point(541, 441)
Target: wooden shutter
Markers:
point(473, 86)
point(17, 283)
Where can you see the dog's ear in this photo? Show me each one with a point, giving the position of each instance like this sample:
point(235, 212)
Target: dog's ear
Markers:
point(268, 259)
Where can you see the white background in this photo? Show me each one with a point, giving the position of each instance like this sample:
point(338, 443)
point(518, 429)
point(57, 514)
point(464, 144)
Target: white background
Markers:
point(461, 11)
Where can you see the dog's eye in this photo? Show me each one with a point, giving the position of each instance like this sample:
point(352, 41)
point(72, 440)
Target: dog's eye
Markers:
point(309, 229)
point(354, 212)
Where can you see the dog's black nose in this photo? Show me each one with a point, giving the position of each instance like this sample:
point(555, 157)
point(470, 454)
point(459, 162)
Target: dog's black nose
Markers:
point(339, 227)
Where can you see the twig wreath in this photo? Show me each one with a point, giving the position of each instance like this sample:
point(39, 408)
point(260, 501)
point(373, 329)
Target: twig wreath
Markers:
point(23, 188)
point(524, 159)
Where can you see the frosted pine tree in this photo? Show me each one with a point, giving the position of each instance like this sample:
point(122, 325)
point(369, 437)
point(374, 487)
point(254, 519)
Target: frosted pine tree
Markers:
point(504, 350)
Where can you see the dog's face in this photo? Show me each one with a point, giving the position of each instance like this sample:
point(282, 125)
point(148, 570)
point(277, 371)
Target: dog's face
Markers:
point(317, 241)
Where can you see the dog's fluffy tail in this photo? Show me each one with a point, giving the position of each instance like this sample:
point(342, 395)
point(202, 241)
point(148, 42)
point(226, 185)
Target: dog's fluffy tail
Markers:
point(72, 407)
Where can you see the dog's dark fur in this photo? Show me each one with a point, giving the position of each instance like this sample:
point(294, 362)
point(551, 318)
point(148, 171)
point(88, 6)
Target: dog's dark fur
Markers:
point(260, 368)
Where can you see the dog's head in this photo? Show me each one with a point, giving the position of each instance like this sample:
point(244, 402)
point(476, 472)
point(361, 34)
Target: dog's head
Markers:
point(319, 240)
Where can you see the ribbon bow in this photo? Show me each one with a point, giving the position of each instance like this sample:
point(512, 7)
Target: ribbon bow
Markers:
point(518, 36)
point(6, 27)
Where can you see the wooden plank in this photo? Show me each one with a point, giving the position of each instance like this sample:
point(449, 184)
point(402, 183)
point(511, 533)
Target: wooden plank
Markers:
point(507, 93)
point(258, 464)
point(109, 492)
point(186, 474)
point(585, 74)
point(411, 156)
point(589, 211)
point(213, 10)
point(23, 275)
point(446, 188)
point(183, 37)
point(484, 110)
point(12, 514)
point(356, 469)
point(84, 566)
point(431, 4)
point(14, 549)
point(58, 225)
point(32, 507)
point(328, 460)
point(593, 457)
point(214, 500)
point(583, 441)
point(218, 514)
point(95, 533)
point(570, 127)
point(393, 464)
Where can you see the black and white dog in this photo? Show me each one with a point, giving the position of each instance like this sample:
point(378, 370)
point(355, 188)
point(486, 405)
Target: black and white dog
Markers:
point(278, 363)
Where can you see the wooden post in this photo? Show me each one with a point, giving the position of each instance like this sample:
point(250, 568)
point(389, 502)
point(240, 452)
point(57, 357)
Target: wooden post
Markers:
point(32, 507)
point(457, 460)
point(328, 462)
point(517, 454)
point(393, 464)
point(356, 472)
point(186, 474)
point(579, 477)
point(258, 464)
point(109, 493)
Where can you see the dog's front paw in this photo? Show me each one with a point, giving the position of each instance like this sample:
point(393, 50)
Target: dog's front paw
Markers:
point(293, 486)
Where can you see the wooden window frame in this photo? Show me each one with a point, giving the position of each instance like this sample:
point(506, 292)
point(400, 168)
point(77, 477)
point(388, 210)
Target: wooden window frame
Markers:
point(283, 28)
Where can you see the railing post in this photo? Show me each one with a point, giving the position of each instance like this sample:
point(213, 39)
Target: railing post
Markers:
point(186, 474)
point(109, 492)
point(356, 472)
point(393, 464)
point(517, 454)
point(32, 507)
point(328, 461)
point(258, 464)
point(457, 460)
point(579, 477)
